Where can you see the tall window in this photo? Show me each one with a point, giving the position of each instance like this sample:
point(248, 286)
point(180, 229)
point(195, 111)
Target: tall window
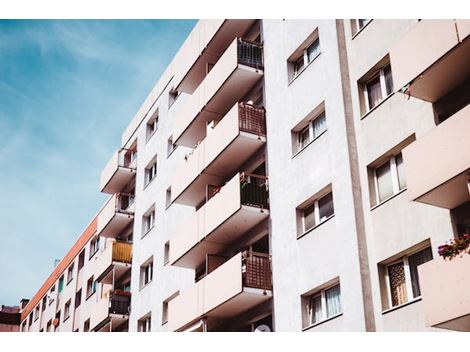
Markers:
point(94, 246)
point(316, 212)
point(378, 87)
point(86, 325)
point(44, 303)
point(311, 131)
point(145, 323)
point(171, 146)
point(148, 221)
point(389, 178)
point(78, 298)
point(152, 125)
point(67, 309)
point(70, 273)
point(151, 171)
point(321, 305)
point(306, 56)
point(402, 277)
point(166, 253)
point(90, 287)
point(36, 313)
point(61, 283)
point(146, 273)
point(81, 260)
point(168, 197)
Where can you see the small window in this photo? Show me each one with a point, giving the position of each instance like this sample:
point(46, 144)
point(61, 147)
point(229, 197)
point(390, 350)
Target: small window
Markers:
point(173, 95)
point(168, 197)
point(146, 273)
point(78, 298)
point(56, 321)
point(44, 303)
point(145, 323)
point(86, 325)
point(310, 132)
point(61, 283)
point(51, 295)
point(81, 260)
point(31, 317)
point(90, 287)
point(70, 273)
point(321, 305)
point(166, 253)
point(151, 171)
point(94, 246)
point(401, 277)
point(148, 221)
point(303, 57)
point(49, 326)
point(36, 312)
point(315, 212)
point(377, 87)
point(67, 309)
point(152, 125)
point(389, 179)
point(361, 23)
point(358, 24)
point(165, 307)
point(171, 146)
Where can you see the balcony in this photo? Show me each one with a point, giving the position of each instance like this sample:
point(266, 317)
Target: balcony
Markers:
point(113, 262)
point(204, 46)
point(232, 77)
point(445, 288)
point(112, 311)
point(241, 283)
point(432, 58)
point(117, 213)
point(119, 171)
point(233, 210)
point(437, 165)
point(226, 148)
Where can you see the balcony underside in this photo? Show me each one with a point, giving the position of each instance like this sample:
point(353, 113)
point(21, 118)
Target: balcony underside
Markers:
point(225, 164)
point(119, 270)
point(458, 324)
point(235, 87)
point(236, 225)
point(120, 179)
point(116, 224)
point(113, 322)
point(444, 75)
point(238, 304)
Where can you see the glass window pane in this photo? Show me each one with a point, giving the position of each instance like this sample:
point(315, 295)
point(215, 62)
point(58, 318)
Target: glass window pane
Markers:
point(333, 301)
point(414, 260)
point(325, 206)
point(388, 79)
point(319, 125)
point(396, 275)
point(309, 217)
point(374, 92)
point(304, 137)
point(315, 309)
point(362, 23)
point(400, 171)
point(384, 181)
point(299, 64)
point(313, 50)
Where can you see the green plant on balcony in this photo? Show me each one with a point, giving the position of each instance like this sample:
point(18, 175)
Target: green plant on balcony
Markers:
point(455, 247)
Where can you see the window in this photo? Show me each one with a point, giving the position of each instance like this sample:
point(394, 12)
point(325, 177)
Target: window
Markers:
point(90, 287)
point(358, 24)
point(321, 305)
point(36, 313)
point(145, 323)
point(401, 277)
point(78, 298)
point(166, 253)
point(311, 131)
point(168, 197)
point(315, 212)
point(171, 146)
point(70, 273)
point(377, 87)
point(165, 307)
point(389, 179)
point(56, 321)
point(67, 309)
point(52, 295)
point(362, 23)
point(86, 325)
point(148, 221)
point(44, 303)
point(302, 59)
point(61, 283)
point(151, 171)
point(81, 260)
point(173, 95)
point(49, 325)
point(152, 125)
point(94, 246)
point(30, 321)
point(146, 273)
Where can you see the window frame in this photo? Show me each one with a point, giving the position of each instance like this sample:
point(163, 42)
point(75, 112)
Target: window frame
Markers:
point(379, 72)
point(316, 212)
point(310, 127)
point(91, 290)
point(394, 177)
point(152, 126)
point(67, 307)
point(144, 324)
point(94, 246)
point(170, 147)
point(309, 308)
point(151, 170)
point(148, 221)
point(70, 272)
point(304, 57)
point(146, 273)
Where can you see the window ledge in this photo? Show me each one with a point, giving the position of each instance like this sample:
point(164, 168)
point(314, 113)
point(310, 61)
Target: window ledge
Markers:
point(377, 106)
point(414, 300)
point(308, 144)
point(149, 137)
point(360, 30)
point(147, 232)
point(316, 226)
point(322, 322)
point(388, 199)
point(90, 295)
point(147, 284)
point(149, 183)
point(65, 319)
point(302, 70)
point(69, 281)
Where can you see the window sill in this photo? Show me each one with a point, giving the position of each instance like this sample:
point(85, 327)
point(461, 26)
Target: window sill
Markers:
point(149, 137)
point(144, 286)
point(322, 322)
point(170, 153)
point(316, 226)
point(388, 199)
point(414, 300)
point(302, 70)
point(93, 254)
point(90, 295)
point(377, 106)
point(65, 319)
point(147, 232)
point(150, 182)
point(360, 30)
point(308, 144)
point(69, 281)
point(164, 322)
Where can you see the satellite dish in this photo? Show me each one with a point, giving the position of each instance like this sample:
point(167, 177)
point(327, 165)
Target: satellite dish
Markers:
point(263, 328)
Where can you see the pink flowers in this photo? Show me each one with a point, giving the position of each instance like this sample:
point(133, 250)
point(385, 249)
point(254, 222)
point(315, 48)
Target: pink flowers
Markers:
point(455, 247)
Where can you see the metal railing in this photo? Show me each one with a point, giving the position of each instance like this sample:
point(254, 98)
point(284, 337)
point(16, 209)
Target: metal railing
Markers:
point(252, 119)
point(122, 252)
point(254, 190)
point(120, 302)
point(250, 53)
point(256, 270)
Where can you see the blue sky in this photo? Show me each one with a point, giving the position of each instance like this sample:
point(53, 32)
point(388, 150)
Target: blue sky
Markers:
point(68, 89)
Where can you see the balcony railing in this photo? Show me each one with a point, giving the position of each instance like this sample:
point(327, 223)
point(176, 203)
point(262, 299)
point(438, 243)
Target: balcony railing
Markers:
point(116, 214)
point(119, 171)
point(250, 53)
point(120, 303)
point(254, 190)
point(122, 252)
point(256, 270)
point(252, 119)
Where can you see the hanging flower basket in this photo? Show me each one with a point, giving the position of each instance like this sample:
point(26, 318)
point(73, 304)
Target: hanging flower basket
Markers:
point(454, 247)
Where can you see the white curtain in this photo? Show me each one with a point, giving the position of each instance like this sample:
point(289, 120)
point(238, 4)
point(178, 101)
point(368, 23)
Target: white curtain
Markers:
point(374, 92)
point(315, 309)
point(319, 125)
point(333, 301)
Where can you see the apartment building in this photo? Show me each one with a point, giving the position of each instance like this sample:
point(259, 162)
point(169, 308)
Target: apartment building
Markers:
point(284, 175)
point(10, 319)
